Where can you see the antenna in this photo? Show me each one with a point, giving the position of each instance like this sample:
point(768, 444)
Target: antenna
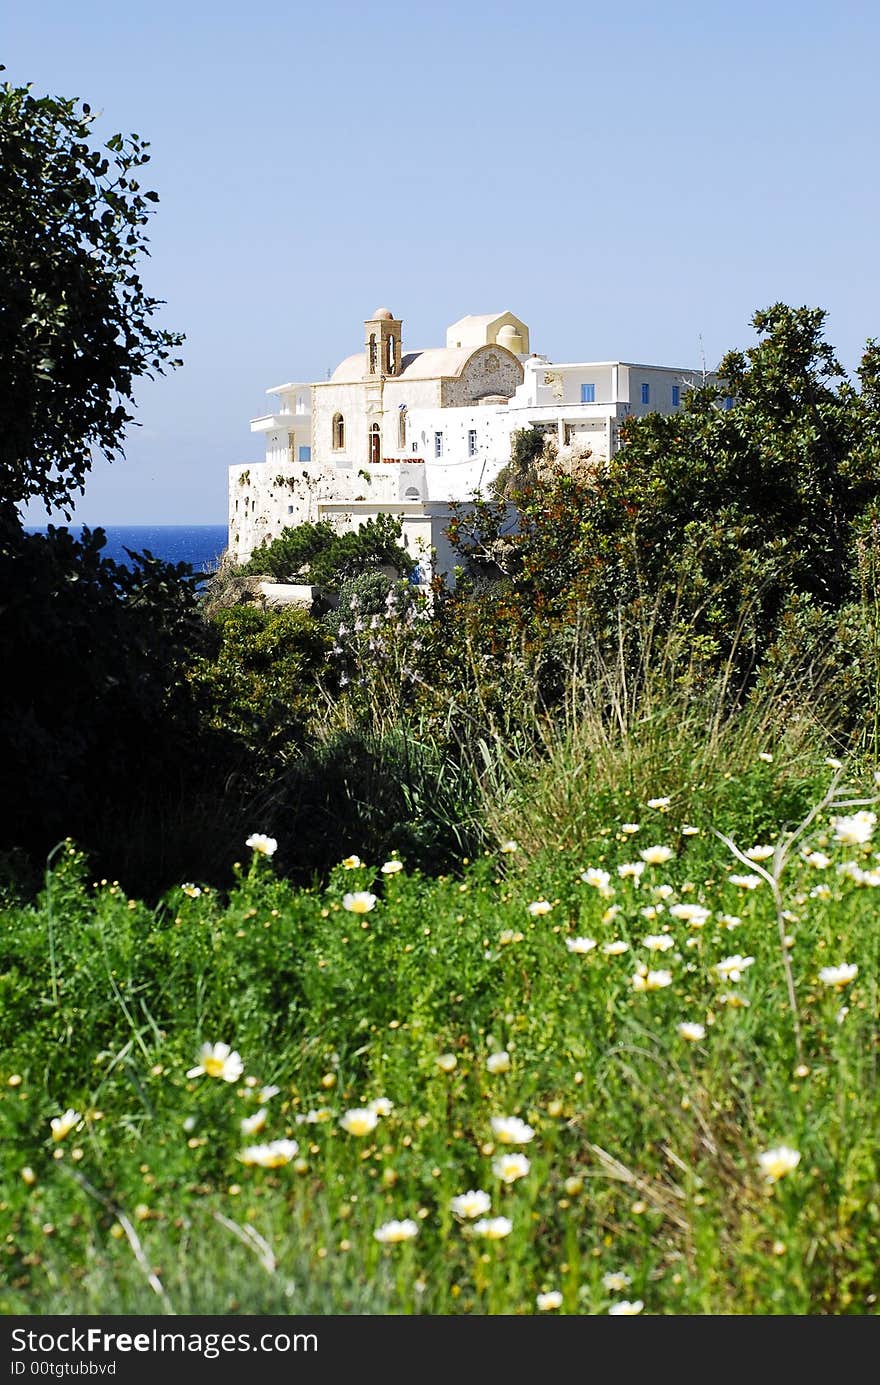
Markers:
point(702, 357)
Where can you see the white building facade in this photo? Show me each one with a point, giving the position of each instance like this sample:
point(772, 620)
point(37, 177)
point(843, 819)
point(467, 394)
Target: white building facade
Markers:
point(407, 433)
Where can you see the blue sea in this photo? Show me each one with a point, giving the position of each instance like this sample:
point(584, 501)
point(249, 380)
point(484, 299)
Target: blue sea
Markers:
point(200, 545)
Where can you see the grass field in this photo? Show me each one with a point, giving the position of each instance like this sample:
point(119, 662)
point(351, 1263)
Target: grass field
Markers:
point(627, 1068)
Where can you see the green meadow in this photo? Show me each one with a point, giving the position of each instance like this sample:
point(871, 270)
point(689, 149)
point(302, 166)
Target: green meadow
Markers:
point(629, 1068)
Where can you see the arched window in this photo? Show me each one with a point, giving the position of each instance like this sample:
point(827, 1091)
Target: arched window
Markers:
point(375, 444)
point(391, 356)
point(374, 359)
point(401, 427)
point(338, 433)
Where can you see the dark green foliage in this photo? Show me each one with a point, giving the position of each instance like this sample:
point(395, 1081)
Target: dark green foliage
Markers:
point(316, 554)
point(706, 521)
point(262, 679)
point(75, 329)
point(103, 732)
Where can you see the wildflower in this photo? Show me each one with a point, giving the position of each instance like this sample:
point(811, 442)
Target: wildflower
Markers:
point(509, 847)
point(661, 804)
point(539, 907)
point(271, 1156)
point(447, 1062)
point(661, 891)
point(615, 948)
point(625, 1309)
point(392, 1232)
point(251, 1124)
point(776, 1163)
point(581, 945)
point(615, 1281)
point(62, 1125)
point(656, 855)
point(28, 1176)
point(315, 1117)
point(629, 828)
point(631, 870)
point(832, 763)
point(510, 935)
point(192, 890)
point(692, 1032)
point(745, 882)
point(392, 867)
point(599, 879)
point(818, 860)
point(263, 846)
point(267, 1093)
point(855, 830)
point(493, 1228)
point(471, 1204)
point(218, 1060)
point(381, 1106)
point(688, 831)
point(498, 1062)
point(359, 1121)
point(760, 852)
point(352, 862)
point(733, 1001)
point(510, 1167)
point(361, 902)
point(510, 1130)
point(658, 942)
point(694, 914)
point(842, 1014)
point(729, 920)
point(611, 913)
point(651, 980)
point(732, 968)
point(766, 757)
point(652, 912)
point(549, 1300)
point(838, 977)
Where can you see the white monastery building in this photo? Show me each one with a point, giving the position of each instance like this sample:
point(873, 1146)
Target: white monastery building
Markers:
point(402, 432)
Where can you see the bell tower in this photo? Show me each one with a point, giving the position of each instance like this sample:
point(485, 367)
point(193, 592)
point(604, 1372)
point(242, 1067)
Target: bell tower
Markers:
point(383, 342)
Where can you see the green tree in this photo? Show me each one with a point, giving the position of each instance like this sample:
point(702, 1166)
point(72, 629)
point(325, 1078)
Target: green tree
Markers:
point(76, 327)
point(710, 518)
point(318, 555)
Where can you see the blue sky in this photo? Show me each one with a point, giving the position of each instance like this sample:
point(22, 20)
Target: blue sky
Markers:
point(632, 180)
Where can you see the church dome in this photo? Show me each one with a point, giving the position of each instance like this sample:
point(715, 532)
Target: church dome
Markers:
point(382, 315)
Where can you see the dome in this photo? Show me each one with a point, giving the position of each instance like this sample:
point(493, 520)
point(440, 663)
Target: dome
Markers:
point(508, 336)
point(382, 315)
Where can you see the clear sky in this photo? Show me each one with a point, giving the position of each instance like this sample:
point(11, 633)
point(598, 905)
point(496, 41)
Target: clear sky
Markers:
point(633, 180)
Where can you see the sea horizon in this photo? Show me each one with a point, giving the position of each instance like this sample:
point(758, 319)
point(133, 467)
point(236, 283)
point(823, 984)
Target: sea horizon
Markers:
point(200, 545)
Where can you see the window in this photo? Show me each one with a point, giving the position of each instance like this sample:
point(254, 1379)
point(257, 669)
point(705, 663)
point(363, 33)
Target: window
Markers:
point(290, 509)
point(646, 394)
point(401, 427)
point(588, 394)
point(472, 442)
point(375, 445)
point(338, 433)
point(438, 444)
point(728, 402)
point(391, 356)
point(676, 396)
point(305, 454)
point(374, 359)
